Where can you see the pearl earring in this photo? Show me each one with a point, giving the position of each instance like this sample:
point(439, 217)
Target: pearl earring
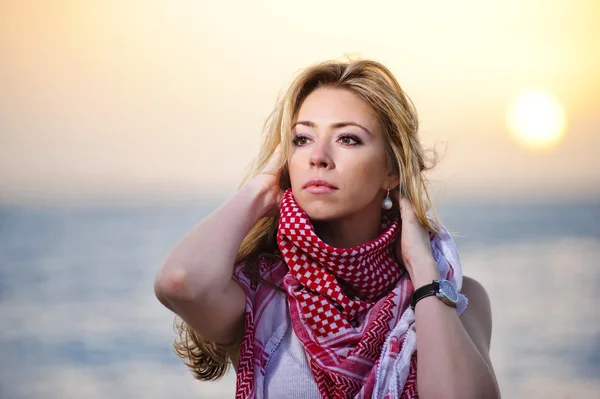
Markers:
point(387, 202)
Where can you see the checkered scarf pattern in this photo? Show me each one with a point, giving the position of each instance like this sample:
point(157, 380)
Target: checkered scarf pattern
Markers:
point(330, 291)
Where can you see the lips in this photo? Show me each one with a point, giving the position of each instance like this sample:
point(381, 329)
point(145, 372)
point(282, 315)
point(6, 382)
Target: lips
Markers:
point(319, 183)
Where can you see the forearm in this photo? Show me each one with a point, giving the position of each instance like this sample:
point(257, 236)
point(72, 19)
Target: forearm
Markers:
point(449, 364)
point(203, 259)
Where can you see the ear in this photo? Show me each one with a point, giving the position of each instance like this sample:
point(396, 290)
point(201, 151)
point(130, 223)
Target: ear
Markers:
point(392, 181)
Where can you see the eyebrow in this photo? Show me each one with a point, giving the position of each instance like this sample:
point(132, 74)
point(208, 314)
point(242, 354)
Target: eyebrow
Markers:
point(336, 125)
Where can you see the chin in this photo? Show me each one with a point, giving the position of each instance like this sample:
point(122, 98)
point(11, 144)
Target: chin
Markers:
point(322, 214)
point(322, 210)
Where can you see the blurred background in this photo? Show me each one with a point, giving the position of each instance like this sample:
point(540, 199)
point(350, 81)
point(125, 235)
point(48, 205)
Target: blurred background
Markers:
point(124, 123)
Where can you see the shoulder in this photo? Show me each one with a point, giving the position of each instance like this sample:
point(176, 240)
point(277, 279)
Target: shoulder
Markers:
point(474, 290)
point(477, 318)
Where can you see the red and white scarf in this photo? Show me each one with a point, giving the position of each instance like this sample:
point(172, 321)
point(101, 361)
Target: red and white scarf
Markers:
point(350, 309)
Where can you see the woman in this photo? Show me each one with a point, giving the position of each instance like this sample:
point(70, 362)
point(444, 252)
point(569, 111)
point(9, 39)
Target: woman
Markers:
point(323, 276)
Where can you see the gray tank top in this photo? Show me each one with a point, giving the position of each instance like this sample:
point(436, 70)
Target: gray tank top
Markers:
point(288, 373)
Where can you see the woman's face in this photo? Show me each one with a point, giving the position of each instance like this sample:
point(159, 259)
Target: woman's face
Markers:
point(337, 138)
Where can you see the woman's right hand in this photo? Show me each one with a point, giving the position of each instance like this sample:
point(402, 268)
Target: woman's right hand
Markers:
point(269, 179)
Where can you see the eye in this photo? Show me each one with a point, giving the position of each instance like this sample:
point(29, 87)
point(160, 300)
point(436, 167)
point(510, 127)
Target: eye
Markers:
point(348, 139)
point(300, 140)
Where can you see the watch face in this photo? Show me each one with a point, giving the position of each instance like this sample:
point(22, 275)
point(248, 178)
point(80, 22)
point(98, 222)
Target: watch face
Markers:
point(448, 290)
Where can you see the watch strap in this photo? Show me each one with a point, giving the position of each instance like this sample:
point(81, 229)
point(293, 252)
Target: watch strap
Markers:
point(424, 292)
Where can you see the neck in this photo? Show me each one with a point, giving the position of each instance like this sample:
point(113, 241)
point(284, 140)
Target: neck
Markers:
point(352, 230)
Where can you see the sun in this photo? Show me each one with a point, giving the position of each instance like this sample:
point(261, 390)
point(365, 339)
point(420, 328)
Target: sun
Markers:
point(536, 119)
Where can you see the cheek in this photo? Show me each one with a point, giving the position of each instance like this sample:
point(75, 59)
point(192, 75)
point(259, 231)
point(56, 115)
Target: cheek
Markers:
point(294, 170)
point(363, 171)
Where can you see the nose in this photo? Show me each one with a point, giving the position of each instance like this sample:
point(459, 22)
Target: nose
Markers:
point(321, 157)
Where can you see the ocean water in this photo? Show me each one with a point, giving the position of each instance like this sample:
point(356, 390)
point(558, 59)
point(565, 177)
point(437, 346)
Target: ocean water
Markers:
point(78, 317)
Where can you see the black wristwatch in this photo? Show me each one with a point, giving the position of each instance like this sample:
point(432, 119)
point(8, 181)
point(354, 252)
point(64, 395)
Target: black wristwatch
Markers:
point(443, 289)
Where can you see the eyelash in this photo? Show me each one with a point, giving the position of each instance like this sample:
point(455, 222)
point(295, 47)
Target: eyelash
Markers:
point(343, 136)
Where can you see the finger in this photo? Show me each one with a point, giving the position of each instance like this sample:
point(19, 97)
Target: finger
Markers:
point(273, 165)
point(274, 212)
point(407, 210)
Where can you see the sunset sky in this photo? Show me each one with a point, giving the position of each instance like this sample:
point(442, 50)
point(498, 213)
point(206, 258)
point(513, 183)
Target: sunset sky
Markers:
point(106, 100)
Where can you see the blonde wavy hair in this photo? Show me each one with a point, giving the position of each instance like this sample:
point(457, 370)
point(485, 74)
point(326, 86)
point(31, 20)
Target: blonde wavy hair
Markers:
point(375, 85)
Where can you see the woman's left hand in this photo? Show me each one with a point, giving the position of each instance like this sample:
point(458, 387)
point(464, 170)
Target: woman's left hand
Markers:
point(413, 248)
